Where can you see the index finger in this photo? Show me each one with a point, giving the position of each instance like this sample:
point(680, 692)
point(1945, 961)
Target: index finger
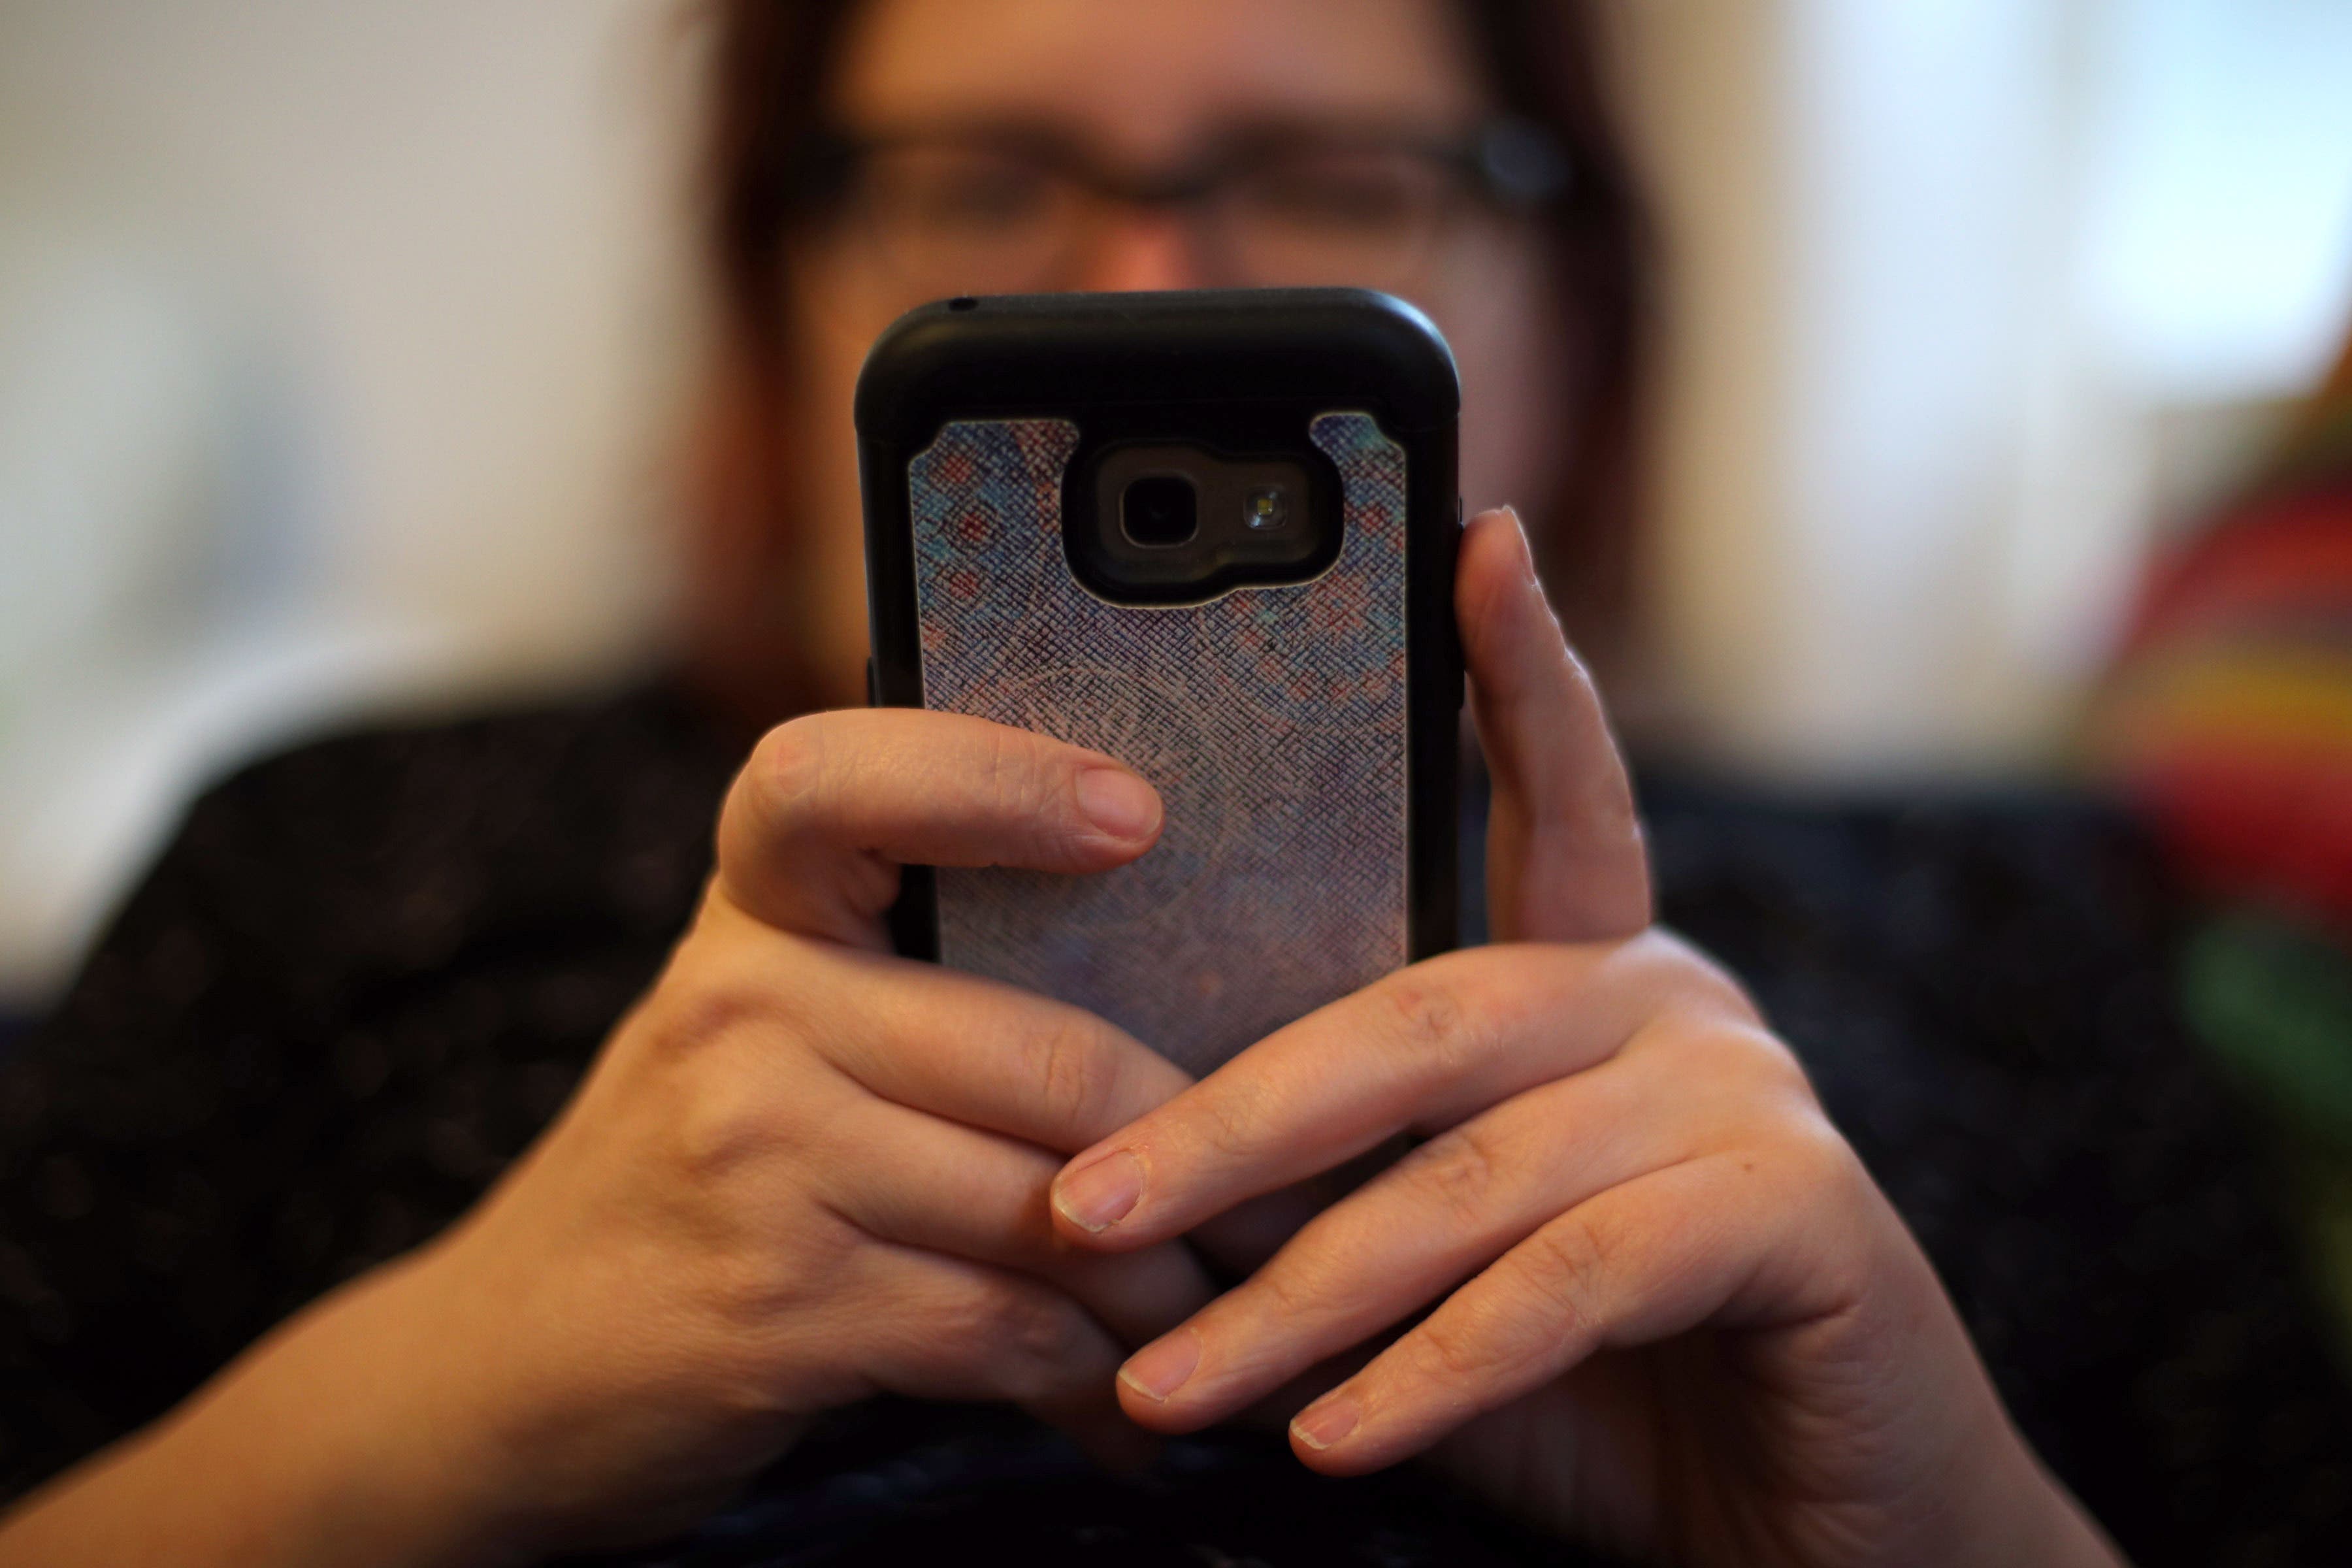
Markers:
point(989, 1055)
point(831, 804)
point(1417, 1052)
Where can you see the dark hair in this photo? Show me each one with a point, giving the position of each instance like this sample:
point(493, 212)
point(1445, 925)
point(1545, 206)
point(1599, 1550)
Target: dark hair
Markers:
point(768, 69)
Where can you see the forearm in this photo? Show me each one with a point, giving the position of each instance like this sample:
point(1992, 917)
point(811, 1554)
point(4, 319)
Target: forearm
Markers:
point(321, 1445)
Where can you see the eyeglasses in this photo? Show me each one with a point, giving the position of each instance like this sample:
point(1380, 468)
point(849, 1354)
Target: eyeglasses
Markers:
point(999, 210)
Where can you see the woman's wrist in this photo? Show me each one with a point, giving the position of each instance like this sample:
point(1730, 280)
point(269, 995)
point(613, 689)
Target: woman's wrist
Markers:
point(392, 1454)
point(330, 1441)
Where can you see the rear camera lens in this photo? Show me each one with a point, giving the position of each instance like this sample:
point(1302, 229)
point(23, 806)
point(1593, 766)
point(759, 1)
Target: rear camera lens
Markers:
point(1160, 510)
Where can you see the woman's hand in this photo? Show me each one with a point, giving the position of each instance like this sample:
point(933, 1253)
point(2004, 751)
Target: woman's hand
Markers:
point(802, 1172)
point(1671, 1312)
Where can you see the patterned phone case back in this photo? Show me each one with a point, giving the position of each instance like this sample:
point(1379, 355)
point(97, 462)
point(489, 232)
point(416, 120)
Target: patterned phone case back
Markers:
point(1271, 719)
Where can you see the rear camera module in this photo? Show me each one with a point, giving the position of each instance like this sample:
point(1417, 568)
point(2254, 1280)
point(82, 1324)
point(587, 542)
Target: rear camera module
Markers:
point(1177, 522)
point(1160, 510)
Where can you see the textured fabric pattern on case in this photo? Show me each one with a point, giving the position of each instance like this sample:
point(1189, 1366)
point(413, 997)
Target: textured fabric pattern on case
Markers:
point(1272, 721)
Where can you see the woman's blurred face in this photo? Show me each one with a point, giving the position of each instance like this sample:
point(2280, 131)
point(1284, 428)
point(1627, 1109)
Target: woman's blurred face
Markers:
point(1143, 91)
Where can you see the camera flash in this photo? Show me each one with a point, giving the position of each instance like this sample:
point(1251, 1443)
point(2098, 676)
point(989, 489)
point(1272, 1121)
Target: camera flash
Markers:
point(1266, 508)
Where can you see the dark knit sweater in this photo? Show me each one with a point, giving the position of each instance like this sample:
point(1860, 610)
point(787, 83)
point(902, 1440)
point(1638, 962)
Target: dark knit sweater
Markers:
point(367, 971)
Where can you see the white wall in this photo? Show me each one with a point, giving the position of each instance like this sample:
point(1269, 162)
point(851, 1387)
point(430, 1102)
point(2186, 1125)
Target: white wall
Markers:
point(340, 347)
point(1949, 284)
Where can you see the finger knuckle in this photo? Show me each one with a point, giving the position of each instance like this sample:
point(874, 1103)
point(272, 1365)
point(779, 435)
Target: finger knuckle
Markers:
point(716, 1131)
point(692, 1067)
point(1459, 1170)
point(1286, 1291)
point(1696, 980)
point(1066, 1062)
point(1426, 1013)
point(1565, 1263)
point(1735, 1061)
point(1015, 782)
point(1461, 1347)
point(1550, 1296)
point(1036, 1342)
point(1433, 1024)
point(1774, 1066)
point(699, 1014)
point(1820, 1163)
point(750, 1288)
point(996, 763)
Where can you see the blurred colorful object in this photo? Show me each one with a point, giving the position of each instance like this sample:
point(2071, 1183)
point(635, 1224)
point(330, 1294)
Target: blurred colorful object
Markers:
point(2231, 716)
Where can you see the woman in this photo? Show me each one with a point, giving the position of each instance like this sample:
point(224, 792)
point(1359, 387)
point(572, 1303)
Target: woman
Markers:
point(1667, 1310)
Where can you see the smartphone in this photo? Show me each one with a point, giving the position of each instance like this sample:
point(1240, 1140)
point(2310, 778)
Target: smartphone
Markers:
point(1212, 534)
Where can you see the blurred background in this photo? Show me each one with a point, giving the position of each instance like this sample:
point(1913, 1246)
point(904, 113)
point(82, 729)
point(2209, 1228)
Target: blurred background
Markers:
point(342, 351)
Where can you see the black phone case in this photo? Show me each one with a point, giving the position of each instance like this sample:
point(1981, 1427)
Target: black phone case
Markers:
point(1303, 735)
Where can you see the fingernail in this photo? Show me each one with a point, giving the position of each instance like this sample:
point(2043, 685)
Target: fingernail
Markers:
point(1117, 803)
point(1321, 1425)
point(1100, 1193)
point(1159, 1368)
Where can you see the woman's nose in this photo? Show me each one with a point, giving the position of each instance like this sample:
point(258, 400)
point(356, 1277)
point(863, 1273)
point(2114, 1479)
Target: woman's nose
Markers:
point(1143, 249)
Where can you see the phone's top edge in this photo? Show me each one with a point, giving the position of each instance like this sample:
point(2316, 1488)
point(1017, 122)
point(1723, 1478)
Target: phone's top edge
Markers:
point(1036, 352)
